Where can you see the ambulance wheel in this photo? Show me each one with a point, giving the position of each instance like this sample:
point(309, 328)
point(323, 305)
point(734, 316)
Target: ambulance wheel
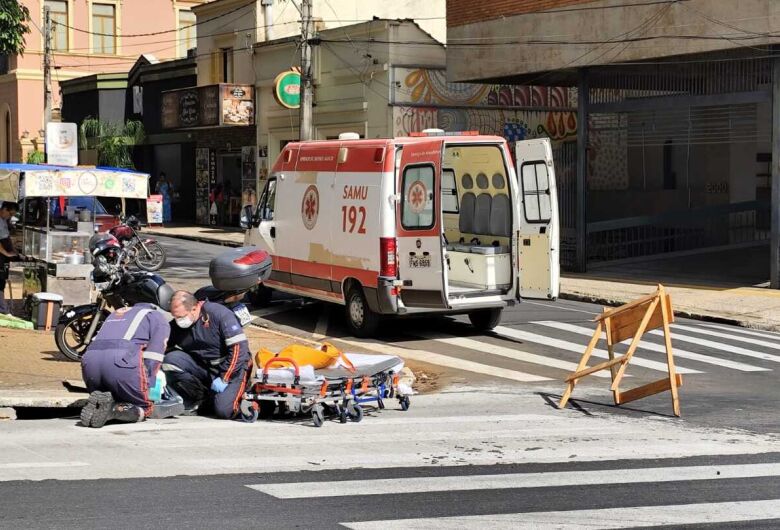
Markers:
point(317, 416)
point(355, 413)
point(260, 296)
point(485, 319)
point(361, 320)
point(405, 402)
point(249, 411)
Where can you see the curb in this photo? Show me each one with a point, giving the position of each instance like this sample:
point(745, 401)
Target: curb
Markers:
point(197, 239)
point(42, 401)
point(593, 299)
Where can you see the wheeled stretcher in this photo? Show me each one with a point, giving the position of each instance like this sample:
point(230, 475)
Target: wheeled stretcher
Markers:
point(339, 390)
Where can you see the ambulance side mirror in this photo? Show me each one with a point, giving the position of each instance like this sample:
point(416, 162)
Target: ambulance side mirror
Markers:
point(247, 217)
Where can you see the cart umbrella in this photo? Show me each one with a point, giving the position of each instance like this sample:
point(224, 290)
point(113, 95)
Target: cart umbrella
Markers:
point(33, 180)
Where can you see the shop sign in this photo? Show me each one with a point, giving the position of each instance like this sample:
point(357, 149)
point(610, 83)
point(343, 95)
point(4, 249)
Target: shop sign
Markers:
point(287, 89)
point(154, 209)
point(208, 106)
point(62, 148)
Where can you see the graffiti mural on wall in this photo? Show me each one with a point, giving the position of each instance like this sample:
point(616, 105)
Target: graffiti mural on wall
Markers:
point(512, 124)
point(429, 86)
point(447, 102)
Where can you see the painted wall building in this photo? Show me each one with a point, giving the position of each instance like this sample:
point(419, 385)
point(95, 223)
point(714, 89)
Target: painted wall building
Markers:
point(229, 158)
point(88, 37)
point(675, 136)
point(370, 80)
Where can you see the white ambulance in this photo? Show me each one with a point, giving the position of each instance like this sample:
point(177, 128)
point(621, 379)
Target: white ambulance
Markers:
point(435, 223)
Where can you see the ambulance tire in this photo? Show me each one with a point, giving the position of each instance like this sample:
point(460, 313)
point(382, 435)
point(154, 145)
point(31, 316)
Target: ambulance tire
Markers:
point(361, 320)
point(485, 319)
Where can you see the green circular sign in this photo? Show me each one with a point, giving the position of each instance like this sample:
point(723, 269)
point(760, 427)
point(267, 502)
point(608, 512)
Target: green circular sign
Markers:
point(287, 89)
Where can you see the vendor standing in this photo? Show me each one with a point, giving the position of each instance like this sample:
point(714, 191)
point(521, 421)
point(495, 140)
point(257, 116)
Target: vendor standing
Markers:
point(7, 251)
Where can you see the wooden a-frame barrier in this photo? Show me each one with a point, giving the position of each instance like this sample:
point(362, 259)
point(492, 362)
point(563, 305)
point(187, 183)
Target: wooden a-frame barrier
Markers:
point(631, 320)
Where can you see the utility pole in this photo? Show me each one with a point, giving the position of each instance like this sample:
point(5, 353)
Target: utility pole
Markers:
point(46, 66)
point(307, 90)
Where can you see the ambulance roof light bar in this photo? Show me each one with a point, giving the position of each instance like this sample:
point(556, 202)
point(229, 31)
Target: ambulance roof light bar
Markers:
point(441, 132)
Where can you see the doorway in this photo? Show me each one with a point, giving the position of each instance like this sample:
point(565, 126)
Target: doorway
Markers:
point(227, 193)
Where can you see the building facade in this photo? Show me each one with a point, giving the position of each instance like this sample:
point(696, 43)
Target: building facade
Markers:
point(88, 37)
point(675, 137)
point(229, 157)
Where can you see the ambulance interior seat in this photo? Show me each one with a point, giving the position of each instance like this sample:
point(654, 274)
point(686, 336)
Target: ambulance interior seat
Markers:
point(483, 215)
point(501, 216)
point(466, 217)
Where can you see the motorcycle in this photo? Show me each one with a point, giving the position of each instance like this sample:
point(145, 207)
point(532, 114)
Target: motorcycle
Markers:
point(147, 254)
point(118, 287)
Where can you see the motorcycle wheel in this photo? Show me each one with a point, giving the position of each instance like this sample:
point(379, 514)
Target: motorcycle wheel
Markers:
point(70, 335)
point(150, 261)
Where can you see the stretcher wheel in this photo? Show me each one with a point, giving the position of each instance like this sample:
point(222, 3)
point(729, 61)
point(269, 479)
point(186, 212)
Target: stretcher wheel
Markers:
point(355, 413)
point(343, 416)
point(249, 411)
point(267, 409)
point(405, 402)
point(317, 416)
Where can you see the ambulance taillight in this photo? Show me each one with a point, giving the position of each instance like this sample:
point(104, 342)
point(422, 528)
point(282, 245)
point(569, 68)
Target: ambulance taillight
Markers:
point(387, 263)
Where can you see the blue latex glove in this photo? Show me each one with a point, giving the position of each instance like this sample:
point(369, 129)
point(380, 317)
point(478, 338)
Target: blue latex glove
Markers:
point(218, 385)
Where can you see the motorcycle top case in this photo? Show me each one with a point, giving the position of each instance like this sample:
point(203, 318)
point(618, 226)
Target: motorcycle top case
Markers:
point(240, 268)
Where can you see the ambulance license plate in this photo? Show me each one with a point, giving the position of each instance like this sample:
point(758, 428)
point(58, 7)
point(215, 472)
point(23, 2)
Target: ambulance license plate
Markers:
point(243, 314)
point(419, 262)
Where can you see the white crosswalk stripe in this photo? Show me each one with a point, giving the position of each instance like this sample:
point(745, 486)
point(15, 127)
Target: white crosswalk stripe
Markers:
point(580, 348)
point(503, 351)
point(731, 336)
point(628, 517)
point(308, 490)
point(683, 354)
point(445, 360)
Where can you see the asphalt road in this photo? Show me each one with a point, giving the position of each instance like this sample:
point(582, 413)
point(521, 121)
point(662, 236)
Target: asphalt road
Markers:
point(487, 448)
point(728, 372)
point(316, 500)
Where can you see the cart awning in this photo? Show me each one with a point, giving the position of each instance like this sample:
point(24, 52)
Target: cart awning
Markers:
point(33, 180)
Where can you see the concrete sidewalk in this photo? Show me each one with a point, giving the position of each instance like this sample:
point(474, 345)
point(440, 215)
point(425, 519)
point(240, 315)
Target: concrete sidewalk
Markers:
point(227, 236)
point(33, 372)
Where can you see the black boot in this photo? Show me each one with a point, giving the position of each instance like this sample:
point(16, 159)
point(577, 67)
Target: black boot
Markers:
point(101, 408)
point(97, 410)
point(125, 413)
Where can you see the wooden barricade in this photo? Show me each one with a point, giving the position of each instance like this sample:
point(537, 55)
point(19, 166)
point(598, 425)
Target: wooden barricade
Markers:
point(631, 320)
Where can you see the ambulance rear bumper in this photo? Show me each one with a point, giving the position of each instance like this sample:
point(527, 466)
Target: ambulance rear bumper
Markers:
point(381, 299)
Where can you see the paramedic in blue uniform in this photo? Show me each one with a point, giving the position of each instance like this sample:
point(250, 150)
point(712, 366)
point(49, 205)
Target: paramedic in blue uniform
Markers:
point(209, 362)
point(121, 365)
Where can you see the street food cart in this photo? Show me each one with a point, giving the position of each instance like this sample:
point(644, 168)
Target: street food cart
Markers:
point(57, 237)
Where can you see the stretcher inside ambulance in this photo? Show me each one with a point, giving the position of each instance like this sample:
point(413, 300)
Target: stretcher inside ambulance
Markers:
point(435, 223)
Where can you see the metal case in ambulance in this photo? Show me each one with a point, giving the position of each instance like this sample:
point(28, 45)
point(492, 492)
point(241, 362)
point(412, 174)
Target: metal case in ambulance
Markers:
point(480, 267)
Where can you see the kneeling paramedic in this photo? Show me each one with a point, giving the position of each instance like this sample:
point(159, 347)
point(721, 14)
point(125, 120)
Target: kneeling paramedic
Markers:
point(121, 365)
point(209, 362)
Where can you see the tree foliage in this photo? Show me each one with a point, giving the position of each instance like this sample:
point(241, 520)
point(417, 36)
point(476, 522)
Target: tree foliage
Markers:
point(14, 25)
point(114, 143)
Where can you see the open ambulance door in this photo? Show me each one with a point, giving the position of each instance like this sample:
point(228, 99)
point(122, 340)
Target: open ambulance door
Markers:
point(419, 226)
point(538, 228)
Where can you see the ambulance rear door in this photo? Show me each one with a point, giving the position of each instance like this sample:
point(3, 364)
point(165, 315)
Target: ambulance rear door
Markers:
point(419, 226)
point(538, 229)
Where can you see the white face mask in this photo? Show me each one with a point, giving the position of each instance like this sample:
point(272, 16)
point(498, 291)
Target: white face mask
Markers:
point(184, 322)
